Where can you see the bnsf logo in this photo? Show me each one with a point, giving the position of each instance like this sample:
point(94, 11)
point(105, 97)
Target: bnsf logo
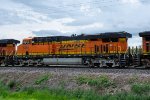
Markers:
point(71, 46)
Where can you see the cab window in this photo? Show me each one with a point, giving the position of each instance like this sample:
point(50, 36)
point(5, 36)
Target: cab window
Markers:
point(27, 42)
point(147, 38)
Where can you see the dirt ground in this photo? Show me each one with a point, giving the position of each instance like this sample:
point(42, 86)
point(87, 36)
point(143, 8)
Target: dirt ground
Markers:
point(21, 79)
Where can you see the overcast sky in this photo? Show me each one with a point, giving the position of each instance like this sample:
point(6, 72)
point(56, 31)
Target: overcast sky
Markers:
point(28, 18)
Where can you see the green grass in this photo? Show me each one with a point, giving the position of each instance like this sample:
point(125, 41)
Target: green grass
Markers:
point(61, 94)
point(101, 81)
point(141, 89)
point(31, 93)
point(138, 91)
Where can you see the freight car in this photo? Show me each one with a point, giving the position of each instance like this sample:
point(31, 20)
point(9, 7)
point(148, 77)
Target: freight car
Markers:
point(101, 49)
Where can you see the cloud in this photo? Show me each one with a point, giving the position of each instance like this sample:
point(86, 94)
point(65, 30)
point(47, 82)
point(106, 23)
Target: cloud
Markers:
point(47, 33)
point(65, 17)
point(17, 13)
point(133, 2)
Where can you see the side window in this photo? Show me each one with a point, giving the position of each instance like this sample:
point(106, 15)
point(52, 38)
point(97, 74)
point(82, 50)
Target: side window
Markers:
point(147, 47)
point(32, 42)
point(147, 38)
point(24, 42)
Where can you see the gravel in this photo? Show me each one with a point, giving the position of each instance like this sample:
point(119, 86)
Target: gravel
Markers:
point(70, 71)
point(66, 77)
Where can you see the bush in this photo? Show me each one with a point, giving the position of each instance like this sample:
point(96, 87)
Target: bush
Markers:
point(31, 93)
point(102, 81)
point(133, 79)
point(3, 86)
point(141, 88)
point(62, 94)
point(11, 84)
point(42, 79)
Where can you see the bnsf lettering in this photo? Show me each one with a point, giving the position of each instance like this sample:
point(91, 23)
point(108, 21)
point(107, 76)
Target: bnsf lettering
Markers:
point(71, 46)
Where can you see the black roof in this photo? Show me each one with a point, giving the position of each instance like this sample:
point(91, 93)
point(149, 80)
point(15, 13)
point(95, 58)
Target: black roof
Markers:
point(83, 37)
point(122, 34)
point(144, 34)
point(50, 39)
point(9, 41)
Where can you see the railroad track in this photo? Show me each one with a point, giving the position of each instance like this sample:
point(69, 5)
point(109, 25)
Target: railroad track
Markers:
point(79, 66)
point(81, 69)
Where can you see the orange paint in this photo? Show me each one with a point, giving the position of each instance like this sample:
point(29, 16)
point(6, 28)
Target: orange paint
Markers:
point(84, 47)
point(8, 50)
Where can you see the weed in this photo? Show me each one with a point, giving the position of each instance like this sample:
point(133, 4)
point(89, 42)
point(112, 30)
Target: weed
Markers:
point(62, 94)
point(102, 81)
point(31, 93)
point(28, 90)
point(3, 86)
point(82, 79)
point(62, 84)
point(141, 88)
point(11, 84)
point(42, 79)
point(3, 89)
point(133, 79)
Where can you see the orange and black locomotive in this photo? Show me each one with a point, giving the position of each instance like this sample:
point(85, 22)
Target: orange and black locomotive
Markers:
point(104, 49)
point(87, 45)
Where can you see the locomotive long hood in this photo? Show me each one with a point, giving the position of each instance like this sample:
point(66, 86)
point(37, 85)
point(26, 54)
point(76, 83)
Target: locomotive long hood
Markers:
point(83, 37)
point(116, 35)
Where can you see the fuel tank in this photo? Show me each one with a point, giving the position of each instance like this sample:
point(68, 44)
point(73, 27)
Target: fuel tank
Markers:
point(62, 61)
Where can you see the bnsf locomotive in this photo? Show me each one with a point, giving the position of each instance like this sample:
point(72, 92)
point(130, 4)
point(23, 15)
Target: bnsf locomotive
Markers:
point(98, 50)
point(146, 48)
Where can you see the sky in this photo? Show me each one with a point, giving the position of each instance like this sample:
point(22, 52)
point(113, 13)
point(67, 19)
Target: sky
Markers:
point(28, 18)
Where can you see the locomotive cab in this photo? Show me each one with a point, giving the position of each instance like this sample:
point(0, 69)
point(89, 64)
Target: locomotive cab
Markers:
point(27, 41)
point(23, 49)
